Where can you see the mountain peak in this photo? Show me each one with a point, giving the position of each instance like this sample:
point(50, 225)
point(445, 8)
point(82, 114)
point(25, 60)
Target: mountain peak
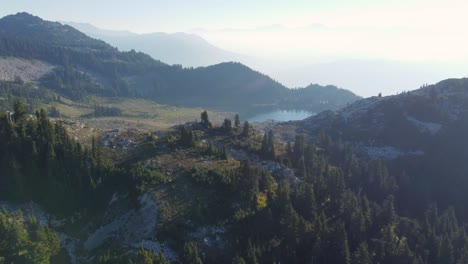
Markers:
point(32, 28)
point(23, 15)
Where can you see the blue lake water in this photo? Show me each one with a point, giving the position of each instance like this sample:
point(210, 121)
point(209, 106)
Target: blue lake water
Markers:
point(280, 115)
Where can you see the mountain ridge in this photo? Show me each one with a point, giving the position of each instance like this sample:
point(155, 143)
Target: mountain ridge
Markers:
point(419, 133)
point(112, 73)
point(187, 49)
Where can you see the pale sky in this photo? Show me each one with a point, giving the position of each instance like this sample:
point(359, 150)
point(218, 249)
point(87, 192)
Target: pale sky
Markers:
point(397, 29)
point(296, 32)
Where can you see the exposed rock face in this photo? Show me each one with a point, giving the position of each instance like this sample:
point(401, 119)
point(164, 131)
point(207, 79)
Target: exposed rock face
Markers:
point(273, 167)
point(407, 124)
point(12, 69)
point(128, 227)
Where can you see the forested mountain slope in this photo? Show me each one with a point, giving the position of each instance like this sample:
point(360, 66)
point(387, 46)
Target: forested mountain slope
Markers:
point(421, 135)
point(84, 66)
point(382, 180)
point(233, 194)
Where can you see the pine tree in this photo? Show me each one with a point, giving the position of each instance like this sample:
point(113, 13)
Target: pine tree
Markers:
point(361, 255)
point(344, 251)
point(445, 251)
point(148, 257)
point(224, 154)
point(264, 147)
point(205, 120)
point(339, 250)
point(251, 253)
point(289, 151)
point(190, 254)
point(271, 145)
point(238, 260)
point(299, 147)
point(227, 125)
point(246, 129)
point(389, 214)
point(237, 123)
point(18, 108)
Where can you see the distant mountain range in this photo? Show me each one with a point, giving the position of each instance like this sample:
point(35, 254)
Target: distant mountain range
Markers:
point(365, 77)
point(189, 50)
point(85, 66)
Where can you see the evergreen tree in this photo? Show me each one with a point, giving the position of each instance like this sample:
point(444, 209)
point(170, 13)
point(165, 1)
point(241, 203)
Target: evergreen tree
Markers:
point(187, 137)
point(264, 147)
point(267, 149)
point(224, 154)
point(237, 122)
point(289, 151)
point(148, 257)
point(18, 108)
point(227, 125)
point(361, 255)
point(271, 145)
point(246, 129)
point(205, 120)
point(445, 252)
point(190, 254)
point(25, 241)
point(238, 260)
point(299, 147)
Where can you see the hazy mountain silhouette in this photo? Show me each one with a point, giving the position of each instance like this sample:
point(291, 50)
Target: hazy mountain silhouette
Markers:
point(189, 50)
point(85, 66)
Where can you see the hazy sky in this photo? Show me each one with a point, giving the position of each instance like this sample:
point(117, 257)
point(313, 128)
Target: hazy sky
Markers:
point(296, 32)
point(397, 29)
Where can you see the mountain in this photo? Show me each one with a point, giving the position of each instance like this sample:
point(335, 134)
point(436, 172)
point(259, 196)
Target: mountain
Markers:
point(316, 96)
point(189, 50)
point(26, 26)
point(85, 66)
point(420, 134)
point(203, 194)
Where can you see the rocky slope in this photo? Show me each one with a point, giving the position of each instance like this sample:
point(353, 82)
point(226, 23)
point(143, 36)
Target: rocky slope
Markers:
point(397, 125)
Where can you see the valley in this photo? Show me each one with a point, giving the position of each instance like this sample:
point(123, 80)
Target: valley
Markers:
point(117, 157)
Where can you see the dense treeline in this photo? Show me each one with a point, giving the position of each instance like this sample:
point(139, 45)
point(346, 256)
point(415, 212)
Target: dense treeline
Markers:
point(316, 98)
point(40, 162)
point(25, 241)
point(71, 83)
point(142, 256)
point(10, 91)
point(100, 110)
point(340, 209)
